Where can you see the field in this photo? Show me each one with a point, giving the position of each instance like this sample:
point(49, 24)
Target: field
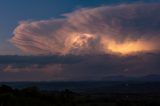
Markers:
point(86, 94)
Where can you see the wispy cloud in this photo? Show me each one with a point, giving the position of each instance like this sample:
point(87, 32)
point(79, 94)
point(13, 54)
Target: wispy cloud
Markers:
point(122, 29)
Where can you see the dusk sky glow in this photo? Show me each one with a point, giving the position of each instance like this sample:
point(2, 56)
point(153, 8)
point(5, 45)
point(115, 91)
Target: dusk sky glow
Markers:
point(13, 12)
point(84, 39)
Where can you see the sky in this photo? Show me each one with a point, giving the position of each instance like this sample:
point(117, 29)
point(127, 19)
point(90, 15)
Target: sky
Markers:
point(13, 12)
point(78, 39)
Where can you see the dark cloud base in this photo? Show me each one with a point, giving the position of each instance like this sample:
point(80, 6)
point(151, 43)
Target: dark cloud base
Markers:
point(71, 67)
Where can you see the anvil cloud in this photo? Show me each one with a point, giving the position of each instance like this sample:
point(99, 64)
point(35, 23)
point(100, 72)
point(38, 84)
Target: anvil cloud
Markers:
point(124, 29)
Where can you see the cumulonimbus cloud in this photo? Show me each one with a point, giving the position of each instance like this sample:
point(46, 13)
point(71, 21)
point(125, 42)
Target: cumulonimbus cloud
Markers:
point(121, 29)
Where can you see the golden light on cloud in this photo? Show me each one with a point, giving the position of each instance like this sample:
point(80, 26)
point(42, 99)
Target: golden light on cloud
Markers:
point(100, 30)
point(128, 46)
point(80, 40)
point(83, 43)
point(78, 43)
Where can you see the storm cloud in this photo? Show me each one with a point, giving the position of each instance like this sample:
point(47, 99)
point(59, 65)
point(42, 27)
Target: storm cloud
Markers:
point(124, 29)
point(71, 67)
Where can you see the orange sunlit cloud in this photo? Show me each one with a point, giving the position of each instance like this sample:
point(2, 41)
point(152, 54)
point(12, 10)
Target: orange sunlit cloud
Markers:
point(93, 31)
point(128, 46)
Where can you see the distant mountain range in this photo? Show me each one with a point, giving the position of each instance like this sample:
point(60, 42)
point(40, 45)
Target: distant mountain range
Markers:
point(152, 77)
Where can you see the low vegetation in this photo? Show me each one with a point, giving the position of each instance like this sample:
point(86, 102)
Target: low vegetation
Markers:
point(32, 96)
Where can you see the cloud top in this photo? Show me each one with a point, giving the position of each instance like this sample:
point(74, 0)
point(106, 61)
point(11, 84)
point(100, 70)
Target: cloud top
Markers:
point(120, 29)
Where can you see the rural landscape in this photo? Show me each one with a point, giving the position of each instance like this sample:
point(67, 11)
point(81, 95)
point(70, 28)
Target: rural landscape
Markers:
point(80, 53)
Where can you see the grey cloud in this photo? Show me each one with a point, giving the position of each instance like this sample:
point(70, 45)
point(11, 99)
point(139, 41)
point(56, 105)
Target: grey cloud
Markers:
point(86, 67)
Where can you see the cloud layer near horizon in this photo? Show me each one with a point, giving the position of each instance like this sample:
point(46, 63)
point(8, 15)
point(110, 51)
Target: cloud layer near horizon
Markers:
point(107, 29)
point(96, 67)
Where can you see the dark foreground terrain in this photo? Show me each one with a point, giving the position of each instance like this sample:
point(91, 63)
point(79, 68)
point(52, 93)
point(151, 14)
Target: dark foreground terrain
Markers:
point(90, 94)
